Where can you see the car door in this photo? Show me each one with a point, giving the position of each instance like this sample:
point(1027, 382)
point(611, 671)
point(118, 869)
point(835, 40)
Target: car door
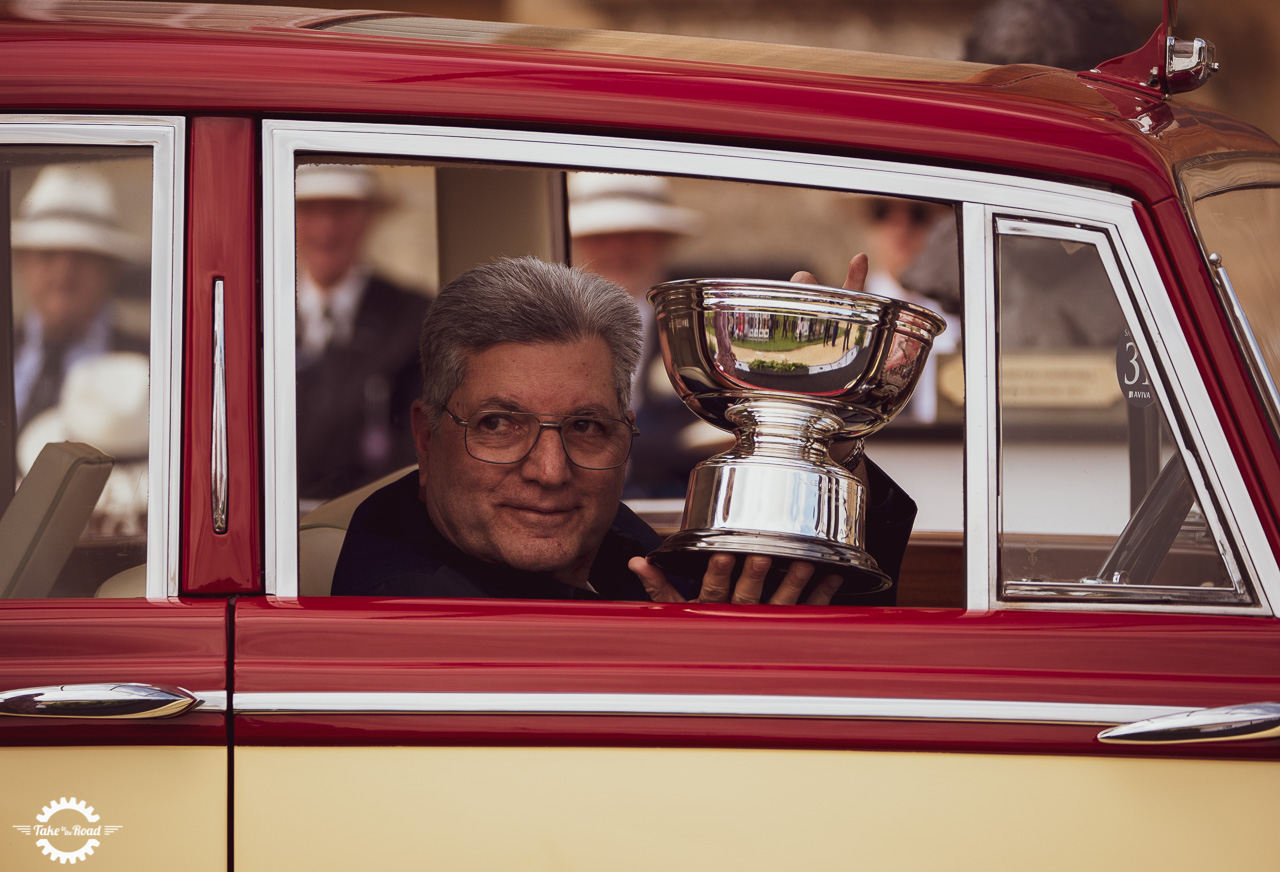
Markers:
point(113, 684)
point(958, 728)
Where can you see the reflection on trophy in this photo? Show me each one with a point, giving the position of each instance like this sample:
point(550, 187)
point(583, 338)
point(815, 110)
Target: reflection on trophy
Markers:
point(790, 369)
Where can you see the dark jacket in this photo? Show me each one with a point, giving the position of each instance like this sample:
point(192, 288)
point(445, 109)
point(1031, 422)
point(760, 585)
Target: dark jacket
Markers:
point(393, 549)
point(353, 403)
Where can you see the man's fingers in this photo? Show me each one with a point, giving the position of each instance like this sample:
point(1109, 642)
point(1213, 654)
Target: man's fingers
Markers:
point(751, 581)
point(654, 581)
point(825, 590)
point(856, 278)
point(717, 580)
point(788, 592)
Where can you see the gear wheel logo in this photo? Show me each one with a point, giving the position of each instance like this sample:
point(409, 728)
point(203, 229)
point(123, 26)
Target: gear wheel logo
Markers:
point(68, 830)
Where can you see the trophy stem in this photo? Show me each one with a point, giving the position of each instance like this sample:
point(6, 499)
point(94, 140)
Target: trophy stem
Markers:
point(776, 492)
point(784, 429)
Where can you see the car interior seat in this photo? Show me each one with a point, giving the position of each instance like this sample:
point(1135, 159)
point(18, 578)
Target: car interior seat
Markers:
point(321, 532)
point(320, 535)
point(48, 513)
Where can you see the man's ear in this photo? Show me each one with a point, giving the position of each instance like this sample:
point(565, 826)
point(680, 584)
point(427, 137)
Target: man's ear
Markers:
point(631, 417)
point(422, 433)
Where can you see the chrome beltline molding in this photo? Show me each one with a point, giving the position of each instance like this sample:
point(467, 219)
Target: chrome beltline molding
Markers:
point(708, 705)
point(210, 700)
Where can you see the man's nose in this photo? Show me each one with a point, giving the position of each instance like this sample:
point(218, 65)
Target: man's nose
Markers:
point(546, 463)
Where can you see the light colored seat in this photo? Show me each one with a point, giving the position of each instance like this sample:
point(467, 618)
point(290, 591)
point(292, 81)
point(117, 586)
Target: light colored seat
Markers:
point(320, 536)
point(125, 583)
point(48, 513)
point(321, 533)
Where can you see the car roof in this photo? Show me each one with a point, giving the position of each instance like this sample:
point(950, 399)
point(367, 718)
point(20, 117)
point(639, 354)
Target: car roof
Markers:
point(110, 55)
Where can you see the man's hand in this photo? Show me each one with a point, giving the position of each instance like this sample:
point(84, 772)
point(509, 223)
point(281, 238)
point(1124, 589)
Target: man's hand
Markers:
point(718, 586)
point(855, 279)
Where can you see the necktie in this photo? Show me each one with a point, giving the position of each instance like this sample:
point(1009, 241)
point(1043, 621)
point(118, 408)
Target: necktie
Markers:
point(48, 384)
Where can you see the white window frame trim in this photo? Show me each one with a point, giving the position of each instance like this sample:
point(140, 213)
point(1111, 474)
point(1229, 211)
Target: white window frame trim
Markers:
point(166, 137)
point(979, 191)
point(1007, 223)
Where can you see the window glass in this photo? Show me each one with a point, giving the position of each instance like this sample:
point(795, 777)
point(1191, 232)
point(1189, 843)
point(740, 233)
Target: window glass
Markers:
point(1239, 225)
point(1092, 488)
point(367, 260)
point(76, 385)
point(411, 226)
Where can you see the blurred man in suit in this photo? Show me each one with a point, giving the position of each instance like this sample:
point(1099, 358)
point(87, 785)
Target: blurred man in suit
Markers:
point(357, 339)
point(70, 251)
point(624, 228)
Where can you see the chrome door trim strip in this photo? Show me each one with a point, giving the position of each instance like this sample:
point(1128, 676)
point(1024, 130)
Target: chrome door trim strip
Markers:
point(1032, 197)
point(166, 136)
point(704, 705)
point(210, 700)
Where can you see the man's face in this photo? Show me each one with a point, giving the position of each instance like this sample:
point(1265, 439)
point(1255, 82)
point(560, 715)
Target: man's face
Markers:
point(542, 513)
point(637, 260)
point(331, 236)
point(67, 289)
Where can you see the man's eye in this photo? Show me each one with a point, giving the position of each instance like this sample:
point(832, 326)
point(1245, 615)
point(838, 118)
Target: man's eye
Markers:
point(591, 428)
point(493, 424)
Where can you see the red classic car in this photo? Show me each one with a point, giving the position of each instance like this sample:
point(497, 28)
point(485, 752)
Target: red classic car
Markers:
point(1081, 666)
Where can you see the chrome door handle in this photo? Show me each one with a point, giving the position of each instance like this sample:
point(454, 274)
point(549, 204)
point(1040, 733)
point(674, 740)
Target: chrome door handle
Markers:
point(1233, 723)
point(219, 473)
point(97, 701)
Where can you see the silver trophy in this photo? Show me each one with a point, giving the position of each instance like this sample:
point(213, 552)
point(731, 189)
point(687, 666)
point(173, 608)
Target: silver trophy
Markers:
point(790, 369)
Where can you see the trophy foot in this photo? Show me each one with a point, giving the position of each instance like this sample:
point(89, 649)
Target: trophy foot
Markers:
point(686, 553)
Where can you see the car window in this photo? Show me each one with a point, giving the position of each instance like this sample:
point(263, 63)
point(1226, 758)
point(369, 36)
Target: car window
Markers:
point(375, 237)
point(1096, 497)
point(76, 387)
point(1234, 204)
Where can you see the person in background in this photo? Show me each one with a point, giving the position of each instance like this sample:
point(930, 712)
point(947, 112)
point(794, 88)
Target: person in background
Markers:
point(624, 228)
point(897, 230)
point(357, 338)
point(1074, 36)
point(70, 251)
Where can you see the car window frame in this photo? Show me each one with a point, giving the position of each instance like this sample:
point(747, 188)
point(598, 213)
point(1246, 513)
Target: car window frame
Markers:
point(1017, 592)
point(166, 137)
point(981, 196)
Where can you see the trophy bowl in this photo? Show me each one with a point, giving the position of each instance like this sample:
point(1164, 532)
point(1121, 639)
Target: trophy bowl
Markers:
point(790, 369)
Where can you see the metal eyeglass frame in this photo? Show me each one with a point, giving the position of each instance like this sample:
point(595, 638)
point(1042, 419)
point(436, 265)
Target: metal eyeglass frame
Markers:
point(543, 425)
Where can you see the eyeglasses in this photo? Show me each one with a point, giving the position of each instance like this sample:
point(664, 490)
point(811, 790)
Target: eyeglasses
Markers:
point(497, 436)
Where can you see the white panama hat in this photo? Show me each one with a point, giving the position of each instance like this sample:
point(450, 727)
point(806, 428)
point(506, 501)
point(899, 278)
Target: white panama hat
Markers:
point(71, 208)
point(335, 182)
point(614, 203)
point(103, 402)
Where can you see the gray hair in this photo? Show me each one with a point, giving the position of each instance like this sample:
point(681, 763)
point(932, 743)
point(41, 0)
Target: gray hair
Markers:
point(524, 300)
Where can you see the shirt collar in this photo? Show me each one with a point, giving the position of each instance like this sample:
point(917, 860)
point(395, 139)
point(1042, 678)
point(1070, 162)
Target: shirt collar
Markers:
point(343, 302)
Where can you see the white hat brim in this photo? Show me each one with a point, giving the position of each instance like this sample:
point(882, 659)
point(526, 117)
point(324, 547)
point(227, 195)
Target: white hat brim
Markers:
point(629, 216)
point(71, 234)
